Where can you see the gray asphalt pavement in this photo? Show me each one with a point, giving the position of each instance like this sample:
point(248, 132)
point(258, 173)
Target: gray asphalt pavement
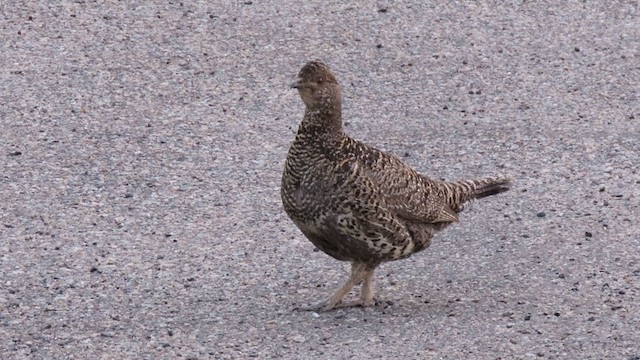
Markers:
point(142, 144)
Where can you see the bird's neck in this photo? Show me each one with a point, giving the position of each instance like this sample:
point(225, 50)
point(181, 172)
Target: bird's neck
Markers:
point(322, 122)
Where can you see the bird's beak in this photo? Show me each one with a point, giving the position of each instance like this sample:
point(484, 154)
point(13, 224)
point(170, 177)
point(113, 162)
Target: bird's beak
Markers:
point(295, 85)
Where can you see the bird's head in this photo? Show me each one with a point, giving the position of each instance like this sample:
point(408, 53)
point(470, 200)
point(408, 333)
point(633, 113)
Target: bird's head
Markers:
point(317, 86)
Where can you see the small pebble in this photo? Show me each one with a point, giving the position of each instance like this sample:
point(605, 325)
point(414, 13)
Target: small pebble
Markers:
point(299, 338)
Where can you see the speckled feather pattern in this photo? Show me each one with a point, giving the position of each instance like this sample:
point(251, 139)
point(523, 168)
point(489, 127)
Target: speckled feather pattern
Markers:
point(357, 203)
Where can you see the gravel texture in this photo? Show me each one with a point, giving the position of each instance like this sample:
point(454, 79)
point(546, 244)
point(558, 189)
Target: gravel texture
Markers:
point(142, 143)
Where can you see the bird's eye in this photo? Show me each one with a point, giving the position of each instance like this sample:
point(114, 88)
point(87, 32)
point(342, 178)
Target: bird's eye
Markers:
point(319, 81)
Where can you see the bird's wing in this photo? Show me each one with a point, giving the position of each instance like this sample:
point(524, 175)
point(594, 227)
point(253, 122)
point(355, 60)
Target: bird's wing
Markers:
point(407, 193)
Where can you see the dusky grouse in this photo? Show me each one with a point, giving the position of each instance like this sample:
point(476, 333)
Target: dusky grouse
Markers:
point(357, 203)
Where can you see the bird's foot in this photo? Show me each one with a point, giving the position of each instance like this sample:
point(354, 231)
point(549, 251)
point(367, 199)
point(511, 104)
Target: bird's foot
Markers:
point(323, 305)
point(328, 304)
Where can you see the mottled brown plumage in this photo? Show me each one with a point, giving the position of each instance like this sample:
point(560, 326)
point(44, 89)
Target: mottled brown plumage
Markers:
point(357, 203)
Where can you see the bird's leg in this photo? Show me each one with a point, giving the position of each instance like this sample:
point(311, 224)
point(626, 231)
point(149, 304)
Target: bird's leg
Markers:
point(358, 271)
point(366, 292)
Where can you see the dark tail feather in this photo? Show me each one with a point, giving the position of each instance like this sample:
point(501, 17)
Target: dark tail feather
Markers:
point(460, 192)
point(492, 186)
point(478, 189)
